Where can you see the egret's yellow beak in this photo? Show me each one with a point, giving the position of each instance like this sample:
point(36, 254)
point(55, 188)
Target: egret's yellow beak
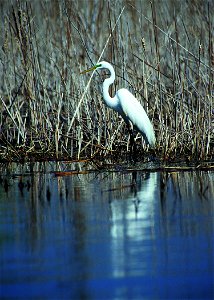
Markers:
point(91, 69)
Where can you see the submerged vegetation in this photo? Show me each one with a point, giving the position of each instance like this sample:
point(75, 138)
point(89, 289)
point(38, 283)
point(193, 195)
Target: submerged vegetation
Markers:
point(162, 51)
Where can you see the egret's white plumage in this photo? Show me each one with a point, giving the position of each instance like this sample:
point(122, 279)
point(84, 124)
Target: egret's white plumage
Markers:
point(126, 105)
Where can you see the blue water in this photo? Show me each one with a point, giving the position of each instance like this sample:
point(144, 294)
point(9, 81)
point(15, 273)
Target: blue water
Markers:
point(106, 235)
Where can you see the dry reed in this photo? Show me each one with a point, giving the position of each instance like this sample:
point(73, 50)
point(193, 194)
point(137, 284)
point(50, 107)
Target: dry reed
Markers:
point(164, 57)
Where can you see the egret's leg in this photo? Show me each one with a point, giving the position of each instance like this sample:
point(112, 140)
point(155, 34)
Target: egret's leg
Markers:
point(132, 153)
point(132, 146)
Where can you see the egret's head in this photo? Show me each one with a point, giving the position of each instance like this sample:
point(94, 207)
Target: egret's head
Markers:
point(99, 65)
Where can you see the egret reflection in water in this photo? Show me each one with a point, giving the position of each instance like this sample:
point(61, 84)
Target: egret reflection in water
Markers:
point(132, 221)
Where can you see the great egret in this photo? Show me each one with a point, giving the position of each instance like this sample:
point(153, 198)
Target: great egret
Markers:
point(126, 105)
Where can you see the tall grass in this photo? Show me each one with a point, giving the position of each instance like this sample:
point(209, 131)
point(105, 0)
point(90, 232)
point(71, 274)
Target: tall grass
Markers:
point(161, 51)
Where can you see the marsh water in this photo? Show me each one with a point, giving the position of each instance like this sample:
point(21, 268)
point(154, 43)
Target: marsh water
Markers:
point(119, 234)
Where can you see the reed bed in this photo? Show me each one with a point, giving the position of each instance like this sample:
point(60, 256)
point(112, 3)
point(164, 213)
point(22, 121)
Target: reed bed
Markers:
point(162, 51)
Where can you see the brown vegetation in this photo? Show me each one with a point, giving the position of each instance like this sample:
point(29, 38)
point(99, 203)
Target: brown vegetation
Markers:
point(162, 52)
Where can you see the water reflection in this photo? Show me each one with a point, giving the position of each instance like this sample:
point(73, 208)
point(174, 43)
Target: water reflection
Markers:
point(105, 235)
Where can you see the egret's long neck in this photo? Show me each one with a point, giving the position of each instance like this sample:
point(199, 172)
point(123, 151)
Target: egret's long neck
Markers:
point(111, 102)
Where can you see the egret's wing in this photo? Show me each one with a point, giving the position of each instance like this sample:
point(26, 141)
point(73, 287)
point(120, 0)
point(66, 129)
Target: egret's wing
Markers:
point(134, 111)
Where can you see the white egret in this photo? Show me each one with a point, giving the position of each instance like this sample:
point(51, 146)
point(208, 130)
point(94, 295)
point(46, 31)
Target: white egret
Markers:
point(126, 105)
